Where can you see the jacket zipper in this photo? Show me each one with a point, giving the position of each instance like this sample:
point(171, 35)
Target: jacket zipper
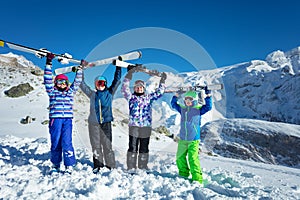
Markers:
point(100, 111)
point(186, 131)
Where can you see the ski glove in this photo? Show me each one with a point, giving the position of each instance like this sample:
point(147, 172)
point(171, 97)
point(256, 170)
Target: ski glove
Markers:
point(129, 75)
point(207, 91)
point(83, 63)
point(163, 77)
point(130, 71)
point(50, 57)
point(130, 68)
point(180, 91)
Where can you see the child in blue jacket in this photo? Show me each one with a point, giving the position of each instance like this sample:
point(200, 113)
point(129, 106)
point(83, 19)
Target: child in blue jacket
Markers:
point(187, 159)
point(100, 118)
point(61, 99)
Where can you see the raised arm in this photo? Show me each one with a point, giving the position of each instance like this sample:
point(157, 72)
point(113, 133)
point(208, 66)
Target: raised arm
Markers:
point(161, 89)
point(125, 88)
point(116, 81)
point(174, 103)
point(77, 81)
point(48, 76)
point(85, 88)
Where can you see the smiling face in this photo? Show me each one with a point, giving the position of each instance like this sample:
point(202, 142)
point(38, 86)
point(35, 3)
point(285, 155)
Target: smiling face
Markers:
point(139, 89)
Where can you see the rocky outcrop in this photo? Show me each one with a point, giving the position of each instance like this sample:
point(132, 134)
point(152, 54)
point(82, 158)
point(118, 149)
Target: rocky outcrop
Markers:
point(19, 90)
point(261, 141)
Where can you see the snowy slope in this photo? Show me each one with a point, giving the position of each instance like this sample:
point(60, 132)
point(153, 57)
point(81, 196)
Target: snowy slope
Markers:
point(24, 153)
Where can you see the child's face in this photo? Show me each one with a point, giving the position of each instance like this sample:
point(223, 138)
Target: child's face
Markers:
point(100, 85)
point(188, 101)
point(139, 89)
point(62, 84)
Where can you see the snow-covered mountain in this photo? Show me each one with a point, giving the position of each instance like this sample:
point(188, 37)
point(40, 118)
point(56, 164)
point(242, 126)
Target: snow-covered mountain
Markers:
point(263, 93)
point(267, 90)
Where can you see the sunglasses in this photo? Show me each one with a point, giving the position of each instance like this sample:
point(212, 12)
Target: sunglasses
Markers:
point(100, 83)
point(60, 82)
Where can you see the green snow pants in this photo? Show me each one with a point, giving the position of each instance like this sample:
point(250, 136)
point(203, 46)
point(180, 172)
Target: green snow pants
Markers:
point(189, 149)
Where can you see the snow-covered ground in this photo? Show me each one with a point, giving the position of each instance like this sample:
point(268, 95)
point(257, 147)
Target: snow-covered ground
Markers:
point(24, 155)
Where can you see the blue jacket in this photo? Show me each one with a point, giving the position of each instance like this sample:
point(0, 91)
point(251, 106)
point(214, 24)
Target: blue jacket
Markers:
point(191, 118)
point(101, 101)
point(60, 103)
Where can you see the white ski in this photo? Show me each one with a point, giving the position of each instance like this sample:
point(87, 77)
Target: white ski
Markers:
point(129, 56)
point(37, 52)
point(193, 88)
point(66, 58)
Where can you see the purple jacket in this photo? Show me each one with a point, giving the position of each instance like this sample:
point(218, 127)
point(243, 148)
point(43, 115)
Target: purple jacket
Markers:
point(140, 107)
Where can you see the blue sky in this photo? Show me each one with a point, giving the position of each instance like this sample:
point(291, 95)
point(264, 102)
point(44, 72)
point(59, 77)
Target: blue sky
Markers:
point(229, 31)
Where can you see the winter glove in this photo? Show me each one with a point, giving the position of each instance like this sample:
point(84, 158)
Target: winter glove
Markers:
point(163, 77)
point(129, 75)
point(207, 91)
point(180, 92)
point(130, 68)
point(50, 57)
point(130, 71)
point(83, 63)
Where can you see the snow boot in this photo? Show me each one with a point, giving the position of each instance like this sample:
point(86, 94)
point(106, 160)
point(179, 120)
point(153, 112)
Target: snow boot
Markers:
point(131, 160)
point(143, 161)
point(69, 169)
point(97, 163)
point(55, 169)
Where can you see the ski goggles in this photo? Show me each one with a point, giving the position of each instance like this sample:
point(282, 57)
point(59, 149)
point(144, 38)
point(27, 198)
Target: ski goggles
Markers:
point(61, 82)
point(100, 83)
point(189, 99)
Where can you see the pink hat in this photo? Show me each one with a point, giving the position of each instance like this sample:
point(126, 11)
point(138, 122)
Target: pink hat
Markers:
point(61, 77)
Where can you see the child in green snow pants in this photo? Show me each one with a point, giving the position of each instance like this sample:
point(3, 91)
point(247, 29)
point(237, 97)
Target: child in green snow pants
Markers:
point(187, 159)
point(189, 149)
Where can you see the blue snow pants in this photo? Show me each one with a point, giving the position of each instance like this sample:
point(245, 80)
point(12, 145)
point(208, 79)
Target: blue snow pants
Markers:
point(61, 141)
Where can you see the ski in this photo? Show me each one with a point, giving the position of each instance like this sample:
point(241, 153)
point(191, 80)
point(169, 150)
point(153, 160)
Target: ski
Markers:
point(38, 52)
point(194, 88)
point(66, 58)
point(128, 56)
point(141, 68)
point(137, 67)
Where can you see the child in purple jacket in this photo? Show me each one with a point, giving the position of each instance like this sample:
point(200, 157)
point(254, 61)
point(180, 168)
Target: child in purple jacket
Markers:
point(140, 119)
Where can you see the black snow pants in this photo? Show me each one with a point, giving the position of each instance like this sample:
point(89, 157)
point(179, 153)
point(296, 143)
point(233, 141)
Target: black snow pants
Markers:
point(138, 151)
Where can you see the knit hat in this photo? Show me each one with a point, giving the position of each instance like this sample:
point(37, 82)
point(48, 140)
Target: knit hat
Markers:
point(139, 83)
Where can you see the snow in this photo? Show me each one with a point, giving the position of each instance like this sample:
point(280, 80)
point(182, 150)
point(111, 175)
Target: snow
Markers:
point(24, 148)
